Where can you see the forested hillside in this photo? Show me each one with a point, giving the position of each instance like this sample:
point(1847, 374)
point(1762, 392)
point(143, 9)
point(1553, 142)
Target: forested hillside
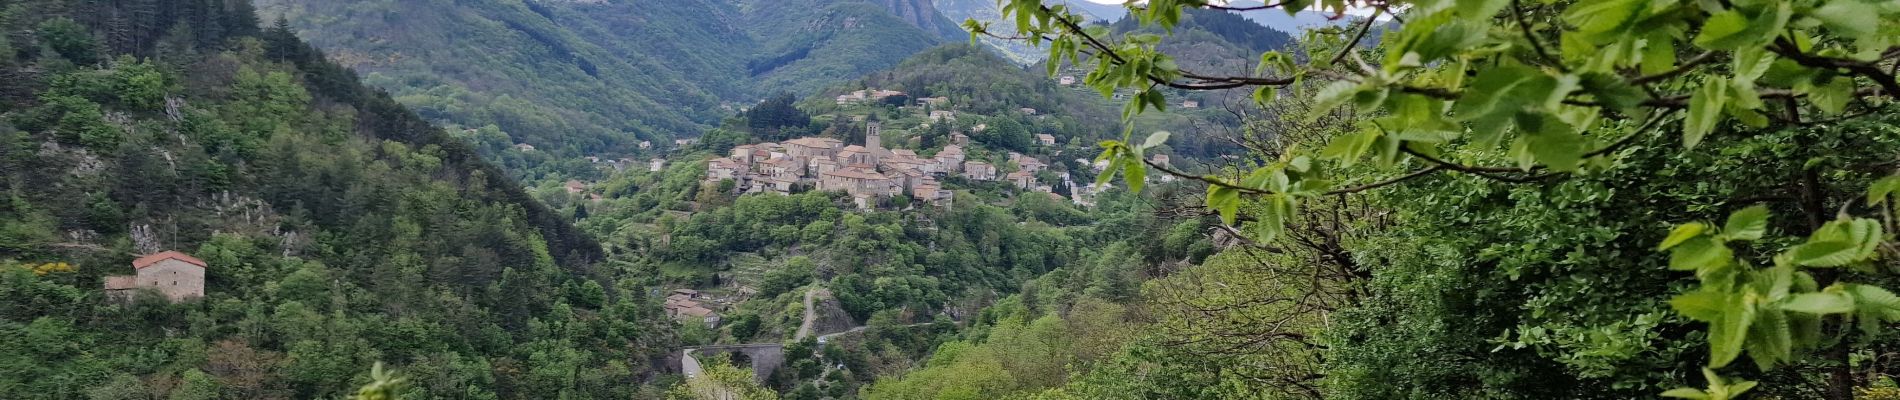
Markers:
point(338, 229)
point(1022, 53)
point(596, 78)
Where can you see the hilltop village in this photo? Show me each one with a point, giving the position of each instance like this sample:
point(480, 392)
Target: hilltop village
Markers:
point(872, 173)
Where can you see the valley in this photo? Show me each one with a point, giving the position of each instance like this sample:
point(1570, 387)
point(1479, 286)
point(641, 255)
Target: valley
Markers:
point(947, 199)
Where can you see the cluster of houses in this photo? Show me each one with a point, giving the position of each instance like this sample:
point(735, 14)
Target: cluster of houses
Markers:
point(684, 305)
point(868, 172)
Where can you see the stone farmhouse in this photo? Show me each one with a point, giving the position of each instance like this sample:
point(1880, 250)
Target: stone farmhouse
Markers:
point(177, 276)
point(683, 305)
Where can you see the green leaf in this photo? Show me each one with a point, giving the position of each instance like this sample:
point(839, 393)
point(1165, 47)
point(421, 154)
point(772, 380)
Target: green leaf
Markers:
point(1331, 97)
point(1882, 189)
point(1874, 307)
point(1225, 200)
point(1489, 91)
point(1555, 143)
point(1832, 97)
point(1659, 54)
point(1155, 139)
point(1737, 28)
point(1599, 16)
point(1701, 305)
point(1705, 110)
point(1720, 26)
point(1682, 233)
point(1347, 149)
point(1727, 335)
point(1480, 10)
point(1264, 95)
point(1700, 254)
point(1750, 63)
point(1832, 302)
point(1747, 224)
point(1686, 393)
point(1769, 339)
point(1133, 171)
point(1273, 217)
point(1824, 254)
point(1848, 18)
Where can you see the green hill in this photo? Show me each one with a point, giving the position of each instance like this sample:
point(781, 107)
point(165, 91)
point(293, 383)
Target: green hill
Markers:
point(339, 228)
point(597, 77)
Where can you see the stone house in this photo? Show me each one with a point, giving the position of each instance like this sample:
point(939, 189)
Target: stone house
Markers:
point(1046, 139)
point(723, 168)
point(1021, 179)
point(856, 182)
point(950, 159)
point(177, 276)
point(978, 170)
point(1031, 164)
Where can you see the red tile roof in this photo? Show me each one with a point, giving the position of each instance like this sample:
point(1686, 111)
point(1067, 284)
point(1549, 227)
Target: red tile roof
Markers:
point(154, 258)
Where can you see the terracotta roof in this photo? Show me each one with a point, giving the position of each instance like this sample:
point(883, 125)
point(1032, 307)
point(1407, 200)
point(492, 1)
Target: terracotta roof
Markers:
point(154, 258)
point(121, 282)
point(696, 311)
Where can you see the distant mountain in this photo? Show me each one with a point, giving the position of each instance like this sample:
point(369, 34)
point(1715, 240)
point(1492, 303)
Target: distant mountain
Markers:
point(1097, 12)
point(1017, 51)
point(598, 76)
point(1291, 24)
point(801, 46)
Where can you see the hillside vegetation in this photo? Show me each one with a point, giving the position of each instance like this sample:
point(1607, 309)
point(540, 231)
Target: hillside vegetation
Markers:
point(339, 228)
point(595, 78)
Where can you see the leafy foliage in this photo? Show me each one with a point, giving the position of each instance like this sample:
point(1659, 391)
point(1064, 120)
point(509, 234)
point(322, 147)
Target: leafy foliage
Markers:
point(340, 229)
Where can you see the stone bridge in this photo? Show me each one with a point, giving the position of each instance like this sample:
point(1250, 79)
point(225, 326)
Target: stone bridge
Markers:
point(763, 357)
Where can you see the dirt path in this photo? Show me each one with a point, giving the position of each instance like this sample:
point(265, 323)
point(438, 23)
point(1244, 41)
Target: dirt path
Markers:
point(811, 313)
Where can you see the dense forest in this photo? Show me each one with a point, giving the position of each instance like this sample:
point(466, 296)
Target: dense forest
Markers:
point(596, 78)
point(341, 229)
